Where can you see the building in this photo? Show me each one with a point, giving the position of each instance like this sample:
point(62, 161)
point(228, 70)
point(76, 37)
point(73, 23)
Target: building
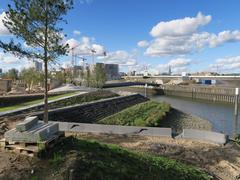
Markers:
point(5, 85)
point(111, 70)
point(37, 65)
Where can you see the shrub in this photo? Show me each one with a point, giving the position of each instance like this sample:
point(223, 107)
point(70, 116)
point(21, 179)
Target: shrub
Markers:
point(149, 113)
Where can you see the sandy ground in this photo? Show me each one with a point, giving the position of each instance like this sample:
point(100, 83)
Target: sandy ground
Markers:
point(221, 161)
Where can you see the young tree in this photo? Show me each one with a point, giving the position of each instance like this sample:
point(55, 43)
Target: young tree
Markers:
point(100, 75)
point(11, 74)
point(35, 23)
point(31, 77)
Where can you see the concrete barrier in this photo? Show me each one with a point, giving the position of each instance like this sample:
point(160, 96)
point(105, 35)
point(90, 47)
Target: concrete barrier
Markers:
point(214, 137)
point(114, 129)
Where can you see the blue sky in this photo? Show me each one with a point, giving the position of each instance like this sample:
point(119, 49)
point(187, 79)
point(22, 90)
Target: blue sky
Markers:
point(188, 35)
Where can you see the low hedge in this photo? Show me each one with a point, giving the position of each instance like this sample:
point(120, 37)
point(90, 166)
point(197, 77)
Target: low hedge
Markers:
point(149, 113)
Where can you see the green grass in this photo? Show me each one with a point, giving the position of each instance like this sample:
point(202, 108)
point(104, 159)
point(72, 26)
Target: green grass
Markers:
point(149, 113)
point(93, 160)
point(20, 105)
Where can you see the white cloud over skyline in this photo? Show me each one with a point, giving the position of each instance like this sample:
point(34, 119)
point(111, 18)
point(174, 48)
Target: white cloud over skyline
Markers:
point(123, 58)
point(177, 65)
point(226, 64)
point(181, 36)
point(84, 46)
point(180, 27)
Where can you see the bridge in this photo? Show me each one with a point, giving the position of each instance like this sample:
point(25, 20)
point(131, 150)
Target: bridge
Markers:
point(167, 77)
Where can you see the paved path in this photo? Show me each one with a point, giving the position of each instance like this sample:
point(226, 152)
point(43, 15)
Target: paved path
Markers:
point(71, 87)
point(38, 104)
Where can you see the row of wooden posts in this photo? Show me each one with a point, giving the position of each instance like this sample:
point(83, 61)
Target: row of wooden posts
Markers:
point(216, 94)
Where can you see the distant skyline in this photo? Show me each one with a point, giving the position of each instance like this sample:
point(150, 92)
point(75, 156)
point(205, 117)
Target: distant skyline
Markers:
point(188, 35)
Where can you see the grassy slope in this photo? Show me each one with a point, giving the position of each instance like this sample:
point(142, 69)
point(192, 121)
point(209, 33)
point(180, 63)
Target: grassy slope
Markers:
point(8, 108)
point(93, 160)
point(149, 113)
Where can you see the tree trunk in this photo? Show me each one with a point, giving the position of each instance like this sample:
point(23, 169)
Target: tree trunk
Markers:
point(45, 92)
point(46, 66)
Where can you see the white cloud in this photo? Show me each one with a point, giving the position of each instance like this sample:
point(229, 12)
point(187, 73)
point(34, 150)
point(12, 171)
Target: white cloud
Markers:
point(122, 58)
point(180, 27)
point(177, 65)
point(226, 64)
point(76, 32)
point(3, 29)
point(8, 61)
point(181, 36)
point(85, 46)
point(142, 43)
point(86, 1)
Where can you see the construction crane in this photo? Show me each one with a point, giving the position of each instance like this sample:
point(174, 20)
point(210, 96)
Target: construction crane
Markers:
point(92, 50)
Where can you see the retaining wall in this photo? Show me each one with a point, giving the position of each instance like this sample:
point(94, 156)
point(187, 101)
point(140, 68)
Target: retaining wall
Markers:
point(65, 101)
point(114, 129)
point(218, 94)
point(94, 111)
point(193, 134)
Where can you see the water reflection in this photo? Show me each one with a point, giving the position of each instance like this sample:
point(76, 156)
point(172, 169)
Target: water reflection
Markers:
point(220, 115)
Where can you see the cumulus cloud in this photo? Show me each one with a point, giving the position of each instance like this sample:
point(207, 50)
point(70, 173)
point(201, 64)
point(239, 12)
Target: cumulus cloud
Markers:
point(182, 36)
point(8, 61)
point(142, 43)
point(177, 65)
point(76, 32)
point(180, 27)
point(3, 29)
point(85, 46)
point(122, 58)
point(226, 64)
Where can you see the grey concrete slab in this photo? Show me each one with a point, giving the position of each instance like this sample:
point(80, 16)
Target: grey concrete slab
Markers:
point(214, 137)
point(27, 124)
point(115, 129)
point(40, 132)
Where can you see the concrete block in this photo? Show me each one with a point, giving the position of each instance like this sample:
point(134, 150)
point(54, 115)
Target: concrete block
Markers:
point(27, 124)
point(40, 132)
point(115, 129)
point(214, 137)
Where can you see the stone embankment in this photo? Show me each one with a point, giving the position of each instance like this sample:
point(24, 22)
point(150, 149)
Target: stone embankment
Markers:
point(94, 111)
point(75, 99)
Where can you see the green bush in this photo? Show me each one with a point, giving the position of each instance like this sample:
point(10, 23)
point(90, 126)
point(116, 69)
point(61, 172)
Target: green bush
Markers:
point(149, 113)
point(238, 139)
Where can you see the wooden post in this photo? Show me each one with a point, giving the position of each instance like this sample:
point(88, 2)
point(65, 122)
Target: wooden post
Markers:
point(235, 124)
point(146, 90)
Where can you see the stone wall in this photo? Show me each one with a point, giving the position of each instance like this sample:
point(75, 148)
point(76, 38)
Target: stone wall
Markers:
point(75, 99)
point(94, 111)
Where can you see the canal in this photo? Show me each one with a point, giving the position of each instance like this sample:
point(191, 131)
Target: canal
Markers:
point(220, 115)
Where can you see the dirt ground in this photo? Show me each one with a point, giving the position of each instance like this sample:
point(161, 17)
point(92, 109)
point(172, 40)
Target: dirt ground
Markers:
point(221, 161)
